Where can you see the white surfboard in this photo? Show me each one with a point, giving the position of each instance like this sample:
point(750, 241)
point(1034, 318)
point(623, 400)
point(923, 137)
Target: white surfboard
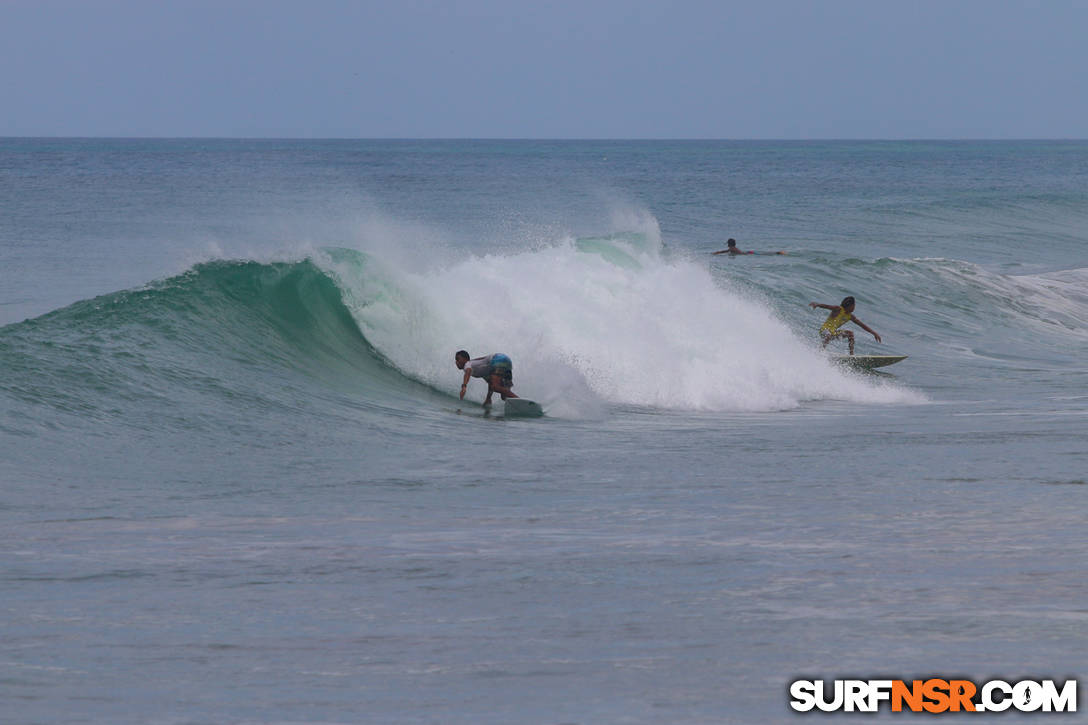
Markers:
point(867, 362)
point(522, 408)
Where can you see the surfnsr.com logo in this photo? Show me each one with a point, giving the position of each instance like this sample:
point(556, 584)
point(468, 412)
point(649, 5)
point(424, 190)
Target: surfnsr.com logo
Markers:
point(933, 695)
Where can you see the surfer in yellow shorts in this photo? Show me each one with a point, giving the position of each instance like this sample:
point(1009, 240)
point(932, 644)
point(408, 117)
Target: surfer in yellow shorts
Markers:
point(840, 315)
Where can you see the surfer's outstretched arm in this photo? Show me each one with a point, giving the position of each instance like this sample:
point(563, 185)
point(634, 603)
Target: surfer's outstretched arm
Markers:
point(814, 305)
point(865, 327)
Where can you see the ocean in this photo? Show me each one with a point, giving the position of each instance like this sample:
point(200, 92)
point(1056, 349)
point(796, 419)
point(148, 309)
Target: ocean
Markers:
point(237, 484)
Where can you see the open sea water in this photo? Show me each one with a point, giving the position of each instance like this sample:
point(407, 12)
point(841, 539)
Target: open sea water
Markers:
point(237, 484)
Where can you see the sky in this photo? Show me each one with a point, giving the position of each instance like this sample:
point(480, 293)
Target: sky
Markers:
point(557, 69)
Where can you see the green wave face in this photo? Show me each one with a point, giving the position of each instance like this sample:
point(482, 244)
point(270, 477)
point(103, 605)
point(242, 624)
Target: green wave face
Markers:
point(248, 336)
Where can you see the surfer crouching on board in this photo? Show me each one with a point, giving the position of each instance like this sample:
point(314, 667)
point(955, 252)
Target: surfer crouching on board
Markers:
point(840, 315)
point(496, 369)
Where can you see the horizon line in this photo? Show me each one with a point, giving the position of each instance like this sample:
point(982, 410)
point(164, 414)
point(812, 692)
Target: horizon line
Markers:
point(549, 139)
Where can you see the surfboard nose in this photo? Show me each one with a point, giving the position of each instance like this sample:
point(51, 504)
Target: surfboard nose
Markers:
point(522, 408)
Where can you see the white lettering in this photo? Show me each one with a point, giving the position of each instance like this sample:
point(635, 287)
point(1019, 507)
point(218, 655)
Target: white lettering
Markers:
point(1027, 696)
point(879, 691)
point(1064, 701)
point(821, 697)
point(988, 701)
point(855, 695)
point(803, 693)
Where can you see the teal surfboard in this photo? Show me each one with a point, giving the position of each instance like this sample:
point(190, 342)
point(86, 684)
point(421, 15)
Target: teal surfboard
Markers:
point(522, 408)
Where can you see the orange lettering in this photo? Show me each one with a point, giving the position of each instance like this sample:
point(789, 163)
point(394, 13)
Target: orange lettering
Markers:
point(912, 695)
point(937, 692)
point(961, 693)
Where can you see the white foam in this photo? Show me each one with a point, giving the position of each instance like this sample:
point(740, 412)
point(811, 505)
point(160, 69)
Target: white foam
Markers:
point(1061, 298)
point(583, 329)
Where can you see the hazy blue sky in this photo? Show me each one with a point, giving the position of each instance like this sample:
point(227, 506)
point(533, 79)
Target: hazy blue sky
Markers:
point(546, 68)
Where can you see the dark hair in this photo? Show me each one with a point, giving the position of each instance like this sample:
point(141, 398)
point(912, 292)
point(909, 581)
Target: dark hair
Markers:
point(847, 302)
point(731, 243)
point(462, 353)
